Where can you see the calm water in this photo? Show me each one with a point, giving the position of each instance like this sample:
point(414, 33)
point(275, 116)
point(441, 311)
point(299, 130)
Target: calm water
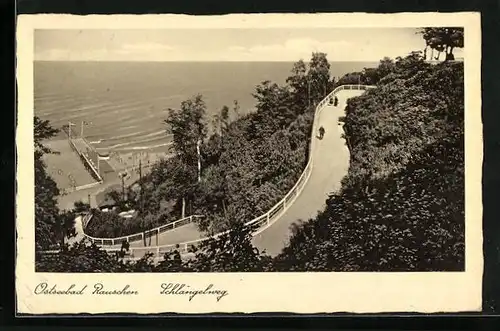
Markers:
point(125, 103)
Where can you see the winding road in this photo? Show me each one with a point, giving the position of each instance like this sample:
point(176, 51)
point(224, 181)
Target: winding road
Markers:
point(330, 162)
point(330, 165)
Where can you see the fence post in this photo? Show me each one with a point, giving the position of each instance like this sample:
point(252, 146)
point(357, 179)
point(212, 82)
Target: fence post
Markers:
point(267, 218)
point(186, 248)
point(158, 251)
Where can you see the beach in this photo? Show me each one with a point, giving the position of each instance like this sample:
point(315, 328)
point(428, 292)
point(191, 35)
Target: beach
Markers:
point(65, 166)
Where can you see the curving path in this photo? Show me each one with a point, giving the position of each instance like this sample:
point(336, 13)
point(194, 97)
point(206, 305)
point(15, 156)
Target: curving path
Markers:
point(330, 165)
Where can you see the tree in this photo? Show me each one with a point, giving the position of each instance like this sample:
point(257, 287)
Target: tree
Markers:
point(355, 78)
point(275, 110)
point(236, 109)
point(299, 84)
point(105, 225)
point(46, 210)
point(81, 207)
point(220, 123)
point(371, 76)
point(212, 197)
point(42, 131)
point(188, 127)
point(47, 220)
point(385, 67)
point(117, 198)
point(147, 222)
point(319, 76)
point(443, 39)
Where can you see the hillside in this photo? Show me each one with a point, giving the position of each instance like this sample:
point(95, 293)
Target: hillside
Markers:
point(401, 207)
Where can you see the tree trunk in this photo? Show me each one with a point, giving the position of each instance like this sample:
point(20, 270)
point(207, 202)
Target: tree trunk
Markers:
point(221, 139)
point(62, 235)
point(224, 207)
point(348, 143)
point(123, 188)
point(449, 55)
point(141, 201)
point(199, 159)
point(183, 213)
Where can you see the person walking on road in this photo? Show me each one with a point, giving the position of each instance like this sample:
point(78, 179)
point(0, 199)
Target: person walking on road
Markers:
point(321, 132)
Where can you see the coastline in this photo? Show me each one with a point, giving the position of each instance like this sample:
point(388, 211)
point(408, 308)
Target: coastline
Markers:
point(112, 179)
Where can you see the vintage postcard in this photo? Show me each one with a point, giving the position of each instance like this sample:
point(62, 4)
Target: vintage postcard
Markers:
point(300, 163)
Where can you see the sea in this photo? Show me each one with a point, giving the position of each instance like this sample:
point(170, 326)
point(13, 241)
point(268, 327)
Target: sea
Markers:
point(121, 106)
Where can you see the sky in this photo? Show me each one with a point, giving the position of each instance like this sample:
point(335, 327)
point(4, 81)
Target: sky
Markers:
point(276, 44)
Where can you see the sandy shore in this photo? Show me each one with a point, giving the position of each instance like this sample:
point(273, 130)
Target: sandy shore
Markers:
point(121, 161)
point(66, 168)
point(129, 163)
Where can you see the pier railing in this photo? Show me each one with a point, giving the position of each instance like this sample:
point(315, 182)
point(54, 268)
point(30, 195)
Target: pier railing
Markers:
point(87, 161)
point(262, 221)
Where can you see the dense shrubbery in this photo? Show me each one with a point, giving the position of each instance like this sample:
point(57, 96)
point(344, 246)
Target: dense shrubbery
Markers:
point(111, 225)
point(401, 206)
point(412, 220)
point(51, 224)
point(256, 163)
point(414, 106)
point(79, 258)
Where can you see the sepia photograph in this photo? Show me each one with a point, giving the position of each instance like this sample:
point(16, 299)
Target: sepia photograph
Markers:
point(249, 149)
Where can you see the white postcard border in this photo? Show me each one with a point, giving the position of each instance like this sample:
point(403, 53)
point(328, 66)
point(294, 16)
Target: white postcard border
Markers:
point(255, 292)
